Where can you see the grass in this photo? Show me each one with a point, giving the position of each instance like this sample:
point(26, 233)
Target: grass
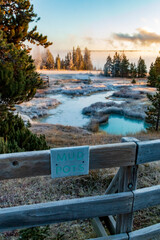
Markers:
point(44, 189)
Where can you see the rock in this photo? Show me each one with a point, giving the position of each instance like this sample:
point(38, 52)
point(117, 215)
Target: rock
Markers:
point(128, 93)
point(37, 107)
point(93, 126)
point(103, 119)
point(127, 109)
point(104, 108)
point(84, 89)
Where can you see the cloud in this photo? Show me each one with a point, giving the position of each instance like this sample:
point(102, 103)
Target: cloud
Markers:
point(142, 37)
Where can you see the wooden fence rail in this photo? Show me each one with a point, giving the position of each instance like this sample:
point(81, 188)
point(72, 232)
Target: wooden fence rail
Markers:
point(81, 208)
point(148, 233)
point(121, 198)
point(37, 163)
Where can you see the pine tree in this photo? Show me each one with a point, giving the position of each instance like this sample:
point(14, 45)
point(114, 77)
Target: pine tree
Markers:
point(16, 137)
point(74, 58)
point(108, 67)
point(157, 66)
point(154, 72)
point(49, 60)
point(152, 78)
point(153, 112)
point(63, 64)
point(141, 68)
point(18, 83)
point(18, 78)
point(15, 17)
point(124, 66)
point(87, 60)
point(116, 65)
point(58, 63)
point(79, 64)
point(133, 70)
point(68, 61)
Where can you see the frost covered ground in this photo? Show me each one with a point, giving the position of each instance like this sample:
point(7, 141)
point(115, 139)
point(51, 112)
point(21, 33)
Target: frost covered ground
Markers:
point(82, 83)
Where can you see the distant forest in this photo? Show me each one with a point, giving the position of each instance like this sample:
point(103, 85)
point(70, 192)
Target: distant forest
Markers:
point(119, 66)
point(74, 60)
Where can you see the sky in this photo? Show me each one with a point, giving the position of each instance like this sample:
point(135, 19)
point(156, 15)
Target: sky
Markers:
point(100, 24)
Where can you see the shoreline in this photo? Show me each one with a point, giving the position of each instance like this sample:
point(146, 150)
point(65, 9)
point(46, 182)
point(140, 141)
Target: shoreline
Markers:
point(81, 83)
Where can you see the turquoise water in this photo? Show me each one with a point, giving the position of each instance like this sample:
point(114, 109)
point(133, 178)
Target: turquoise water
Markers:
point(120, 125)
point(69, 113)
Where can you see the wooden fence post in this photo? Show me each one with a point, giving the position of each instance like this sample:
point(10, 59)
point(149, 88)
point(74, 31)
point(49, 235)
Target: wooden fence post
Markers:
point(127, 182)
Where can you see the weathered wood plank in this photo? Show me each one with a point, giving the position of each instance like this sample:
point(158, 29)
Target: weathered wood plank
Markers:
point(146, 197)
point(113, 186)
point(98, 227)
point(127, 182)
point(66, 210)
point(129, 139)
point(122, 236)
point(148, 151)
point(148, 233)
point(112, 155)
point(37, 163)
point(123, 178)
point(25, 164)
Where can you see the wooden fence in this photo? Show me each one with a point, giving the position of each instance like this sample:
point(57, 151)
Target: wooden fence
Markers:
point(121, 198)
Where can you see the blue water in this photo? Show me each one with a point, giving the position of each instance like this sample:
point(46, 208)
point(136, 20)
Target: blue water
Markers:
point(120, 125)
point(69, 113)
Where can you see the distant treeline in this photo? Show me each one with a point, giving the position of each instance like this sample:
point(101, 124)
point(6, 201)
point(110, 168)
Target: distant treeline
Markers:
point(119, 66)
point(73, 60)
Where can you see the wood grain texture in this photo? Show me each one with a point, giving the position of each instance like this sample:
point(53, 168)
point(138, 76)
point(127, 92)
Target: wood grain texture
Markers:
point(148, 233)
point(148, 151)
point(66, 210)
point(98, 227)
point(127, 182)
point(37, 163)
point(113, 186)
point(122, 236)
point(129, 139)
point(112, 155)
point(146, 197)
point(25, 164)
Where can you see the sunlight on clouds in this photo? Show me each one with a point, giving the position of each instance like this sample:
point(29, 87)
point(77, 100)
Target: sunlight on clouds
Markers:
point(142, 37)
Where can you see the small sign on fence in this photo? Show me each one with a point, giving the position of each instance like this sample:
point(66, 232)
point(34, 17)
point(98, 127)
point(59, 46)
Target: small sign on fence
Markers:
point(72, 161)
